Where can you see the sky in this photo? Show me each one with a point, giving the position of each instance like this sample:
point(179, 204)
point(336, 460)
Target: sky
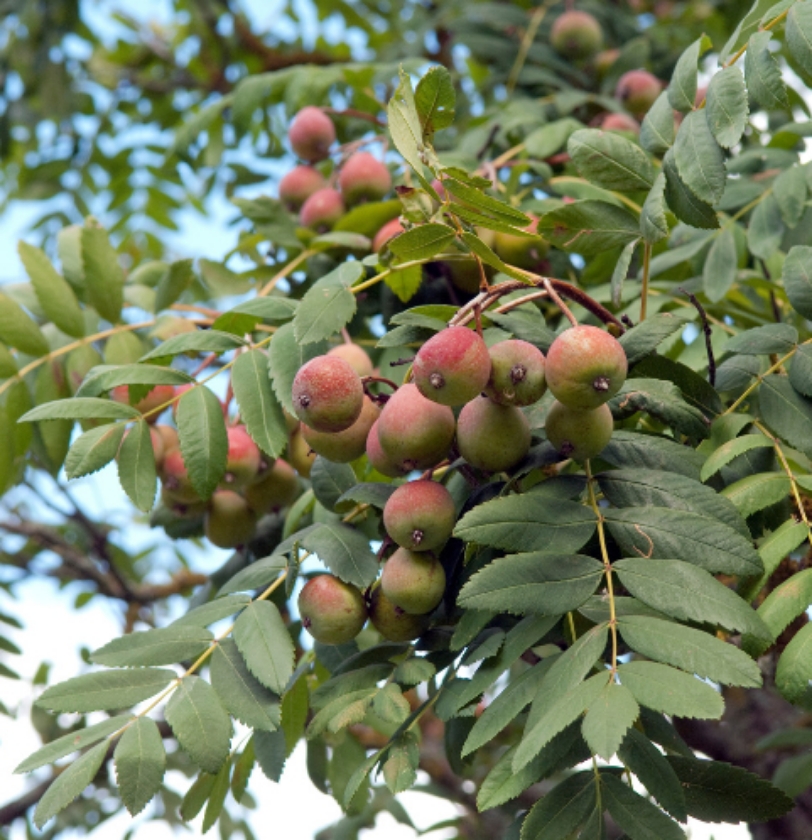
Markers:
point(294, 807)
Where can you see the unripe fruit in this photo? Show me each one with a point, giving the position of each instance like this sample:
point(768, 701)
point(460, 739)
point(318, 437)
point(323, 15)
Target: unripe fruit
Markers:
point(523, 252)
point(604, 61)
point(388, 231)
point(465, 274)
point(355, 356)
point(413, 581)
point(637, 90)
point(346, 446)
point(229, 521)
point(332, 611)
point(322, 210)
point(378, 459)
point(300, 455)
point(420, 515)
point(364, 178)
point(576, 35)
point(327, 394)
point(183, 510)
point(243, 459)
point(277, 489)
point(517, 373)
point(620, 122)
point(169, 437)
point(393, 623)
point(452, 367)
point(492, 437)
point(579, 434)
point(177, 485)
point(585, 367)
point(311, 134)
point(159, 395)
point(415, 433)
point(298, 185)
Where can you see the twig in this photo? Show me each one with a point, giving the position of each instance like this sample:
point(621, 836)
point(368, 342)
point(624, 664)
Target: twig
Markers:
point(706, 329)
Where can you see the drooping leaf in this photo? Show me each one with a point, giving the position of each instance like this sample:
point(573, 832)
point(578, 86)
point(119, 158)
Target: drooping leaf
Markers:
point(203, 438)
point(173, 284)
point(794, 669)
point(640, 755)
point(199, 722)
point(786, 412)
point(670, 691)
point(657, 132)
point(330, 481)
point(105, 690)
point(92, 450)
point(608, 718)
point(256, 576)
point(217, 796)
point(259, 409)
point(726, 106)
point(639, 818)
point(400, 767)
point(699, 159)
point(19, 330)
point(797, 277)
point(344, 551)
point(136, 466)
point(621, 270)
point(682, 90)
point(611, 161)
point(653, 220)
point(560, 812)
point(103, 275)
point(764, 81)
point(161, 646)
point(682, 200)
point(265, 644)
point(140, 761)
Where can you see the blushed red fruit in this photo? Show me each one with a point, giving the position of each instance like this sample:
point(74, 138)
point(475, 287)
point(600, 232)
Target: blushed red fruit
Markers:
point(388, 231)
point(278, 488)
point(413, 581)
point(576, 34)
point(322, 210)
point(299, 184)
point(414, 433)
point(586, 367)
point(243, 460)
point(327, 394)
point(579, 434)
point(392, 622)
point(229, 521)
point(517, 373)
point(378, 459)
point(521, 251)
point(159, 395)
point(452, 367)
point(300, 455)
point(355, 356)
point(346, 446)
point(604, 60)
point(420, 515)
point(332, 611)
point(620, 122)
point(637, 90)
point(364, 178)
point(177, 486)
point(492, 437)
point(311, 134)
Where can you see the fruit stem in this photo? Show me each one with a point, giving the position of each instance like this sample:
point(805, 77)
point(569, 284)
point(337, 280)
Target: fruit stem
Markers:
point(554, 296)
point(285, 270)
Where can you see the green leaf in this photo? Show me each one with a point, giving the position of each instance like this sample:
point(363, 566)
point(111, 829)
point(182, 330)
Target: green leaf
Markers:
point(756, 492)
point(80, 408)
point(789, 189)
point(764, 81)
point(689, 649)
point(473, 198)
point(196, 796)
point(105, 690)
point(502, 784)
point(163, 646)
point(72, 742)
point(203, 438)
point(800, 370)
point(701, 540)
point(199, 722)
point(726, 106)
point(405, 282)
point(773, 549)
point(632, 449)
point(435, 99)
point(657, 131)
point(173, 284)
point(794, 775)
point(732, 449)
point(217, 796)
point(786, 412)
point(653, 219)
point(69, 784)
point(328, 305)
point(369, 493)
point(19, 330)
point(140, 761)
point(405, 128)
point(682, 90)
point(400, 767)
point(644, 338)
point(720, 269)
point(345, 552)
point(650, 766)
point(719, 792)
point(259, 408)
point(608, 719)
point(550, 138)
point(794, 669)
point(699, 158)
point(670, 691)
point(798, 35)
point(539, 582)
point(213, 611)
point(558, 814)
point(589, 227)
point(256, 576)
point(270, 753)
point(749, 24)
point(243, 696)
point(136, 466)
point(527, 522)
point(610, 160)
point(103, 275)
point(295, 710)
point(797, 277)
point(687, 593)
point(285, 356)
point(105, 377)
point(330, 481)
point(202, 341)
point(766, 228)
point(682, 200)
point(638, 817)
point(54, 293)
point(92, 450)
point(621, 270)
point(265, 644)
point(275, 310)
point(786, 602)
